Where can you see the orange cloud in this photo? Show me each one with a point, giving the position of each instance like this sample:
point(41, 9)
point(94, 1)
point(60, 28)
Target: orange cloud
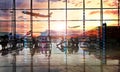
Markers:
point(113, 4)
point(94, 12)
point(114, 12)
point(89, 2)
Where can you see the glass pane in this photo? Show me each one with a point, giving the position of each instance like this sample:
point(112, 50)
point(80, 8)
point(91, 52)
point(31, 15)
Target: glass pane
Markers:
point(6, 4)
point(40, 4)
point(22, 27)
point(5, 15)
point(110, 3)
point(110, 14)
point(41, 15)
point(92, 14)
point(74, 14)
point(22, 4)
point(74, 25)
point(89, 25)
point(58, 26)
point(5, 26)
point(58, 15)
point(74, 3)
point(57, 4)
point(22, 15)
point(40, 27)
point(92, 4)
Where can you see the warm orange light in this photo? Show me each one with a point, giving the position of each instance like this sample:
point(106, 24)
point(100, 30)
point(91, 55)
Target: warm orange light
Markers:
point(59, 27)
point(60, 16)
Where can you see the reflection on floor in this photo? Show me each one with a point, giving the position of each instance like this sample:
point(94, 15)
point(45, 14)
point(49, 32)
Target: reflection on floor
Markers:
point(57, 62)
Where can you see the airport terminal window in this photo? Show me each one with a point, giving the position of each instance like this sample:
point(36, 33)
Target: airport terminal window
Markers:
point(56, 27)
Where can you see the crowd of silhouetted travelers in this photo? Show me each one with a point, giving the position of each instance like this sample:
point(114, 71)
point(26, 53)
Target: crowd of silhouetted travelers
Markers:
point(39, 44)
point(9, 42)
point(36, 45)
point(71, 45)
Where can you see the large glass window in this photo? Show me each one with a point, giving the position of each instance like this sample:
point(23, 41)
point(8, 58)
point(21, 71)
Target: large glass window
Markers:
point(73, 30)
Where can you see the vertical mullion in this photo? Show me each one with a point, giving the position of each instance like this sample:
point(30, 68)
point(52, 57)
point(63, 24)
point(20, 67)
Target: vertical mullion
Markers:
point(118, 12)
point(101, 39)
point(83, 18)
point(31, 30)
point(48, 18)
point(49, 35)
point(14, 18)
point(84, 32)
point(14, 32)
point(101, 22)
point(101, 12)
point(31, 18)
point(66, 36)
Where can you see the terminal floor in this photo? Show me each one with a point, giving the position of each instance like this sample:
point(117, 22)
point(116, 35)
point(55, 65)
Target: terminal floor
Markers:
point(57, 62)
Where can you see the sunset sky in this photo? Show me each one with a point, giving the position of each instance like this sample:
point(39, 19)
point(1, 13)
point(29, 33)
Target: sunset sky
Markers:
point(58, 8)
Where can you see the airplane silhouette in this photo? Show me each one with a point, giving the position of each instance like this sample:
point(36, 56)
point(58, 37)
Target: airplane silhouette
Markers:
point(74, 26)
point(36, 14)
